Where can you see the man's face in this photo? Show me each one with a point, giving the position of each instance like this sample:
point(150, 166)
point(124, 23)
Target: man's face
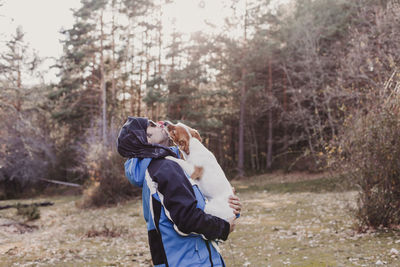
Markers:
point(156, 134)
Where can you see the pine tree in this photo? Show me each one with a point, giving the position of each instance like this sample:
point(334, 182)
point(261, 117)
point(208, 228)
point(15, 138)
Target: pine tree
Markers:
point(26, 153)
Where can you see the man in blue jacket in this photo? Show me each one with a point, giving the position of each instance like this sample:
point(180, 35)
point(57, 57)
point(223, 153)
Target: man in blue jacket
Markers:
point(179, 231)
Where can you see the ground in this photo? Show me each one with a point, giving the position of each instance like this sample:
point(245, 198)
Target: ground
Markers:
point(287, 220)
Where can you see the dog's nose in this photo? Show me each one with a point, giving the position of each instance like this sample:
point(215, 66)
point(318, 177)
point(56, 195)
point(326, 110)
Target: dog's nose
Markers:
point(160, 124)
point(166, 123)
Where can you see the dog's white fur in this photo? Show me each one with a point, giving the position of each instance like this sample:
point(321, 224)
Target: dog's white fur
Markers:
point(213, 184)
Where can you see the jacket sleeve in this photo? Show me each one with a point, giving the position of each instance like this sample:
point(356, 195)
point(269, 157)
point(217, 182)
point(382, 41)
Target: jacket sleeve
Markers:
point(180, 204)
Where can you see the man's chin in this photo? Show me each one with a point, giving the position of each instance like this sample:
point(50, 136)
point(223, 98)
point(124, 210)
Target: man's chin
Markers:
point(165, 142)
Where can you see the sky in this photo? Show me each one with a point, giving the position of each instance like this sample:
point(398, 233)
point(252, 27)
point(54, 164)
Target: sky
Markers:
point(42, 20)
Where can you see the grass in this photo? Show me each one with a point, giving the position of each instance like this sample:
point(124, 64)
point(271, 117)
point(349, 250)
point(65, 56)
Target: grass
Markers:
point(304, 229)
point(287, 220)
point(292, 183)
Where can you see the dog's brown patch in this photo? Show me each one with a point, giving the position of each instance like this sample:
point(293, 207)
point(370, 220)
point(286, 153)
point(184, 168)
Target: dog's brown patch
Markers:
point(195, 134)
point(198, 173)
point(181, 137)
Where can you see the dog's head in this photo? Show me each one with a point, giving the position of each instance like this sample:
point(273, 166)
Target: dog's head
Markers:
point(181, 134)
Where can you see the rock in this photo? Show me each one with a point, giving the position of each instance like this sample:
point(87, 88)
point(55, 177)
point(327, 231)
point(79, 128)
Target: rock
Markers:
point(394, 251)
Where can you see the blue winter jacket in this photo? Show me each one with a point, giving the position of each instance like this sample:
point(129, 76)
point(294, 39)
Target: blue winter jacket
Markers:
point(178, 229)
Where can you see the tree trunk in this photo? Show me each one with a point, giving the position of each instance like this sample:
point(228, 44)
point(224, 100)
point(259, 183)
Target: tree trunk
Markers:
point(285, 137)
point(255, 146)
point(240, 165)
point(270, 133)
point(233, 144)
point(148, 46)
point(139, 93)
point(103, 83)
point(252, 150)
point(158, 106)
point(220, 149)
point(113, 67)
point(18, 104)
point(130, 54)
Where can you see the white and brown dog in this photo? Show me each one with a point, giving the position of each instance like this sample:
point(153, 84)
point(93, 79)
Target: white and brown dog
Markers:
point(202, 166)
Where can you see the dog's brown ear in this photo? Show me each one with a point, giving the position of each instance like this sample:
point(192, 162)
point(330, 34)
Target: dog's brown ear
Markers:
point(170, 127)
point(195, 134)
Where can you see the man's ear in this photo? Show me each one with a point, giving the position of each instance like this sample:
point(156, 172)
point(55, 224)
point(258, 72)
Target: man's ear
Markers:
point(195, 134)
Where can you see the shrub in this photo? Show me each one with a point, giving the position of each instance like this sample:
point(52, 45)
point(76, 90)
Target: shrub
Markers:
point(106, 232)
point(30, 212)
point(107, 182)
point(370, 151)
point(26, 153)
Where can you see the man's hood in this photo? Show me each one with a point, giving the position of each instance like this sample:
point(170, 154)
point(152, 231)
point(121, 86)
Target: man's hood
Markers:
point(132, 141)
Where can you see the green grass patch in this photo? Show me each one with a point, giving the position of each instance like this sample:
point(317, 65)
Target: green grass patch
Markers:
point(318, 185)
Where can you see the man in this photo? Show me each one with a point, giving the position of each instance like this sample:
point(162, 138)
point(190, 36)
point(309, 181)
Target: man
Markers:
point(179, 231)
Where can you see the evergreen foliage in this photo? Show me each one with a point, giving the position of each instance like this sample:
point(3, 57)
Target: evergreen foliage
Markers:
point(270, 90)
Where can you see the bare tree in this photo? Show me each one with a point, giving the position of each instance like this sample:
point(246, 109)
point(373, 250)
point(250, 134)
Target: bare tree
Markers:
point(240, 165)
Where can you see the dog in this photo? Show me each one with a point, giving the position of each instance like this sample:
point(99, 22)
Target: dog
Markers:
point(202, 166)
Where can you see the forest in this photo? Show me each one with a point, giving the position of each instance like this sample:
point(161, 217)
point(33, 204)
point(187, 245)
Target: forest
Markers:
point(299, 101)
point(277, 86)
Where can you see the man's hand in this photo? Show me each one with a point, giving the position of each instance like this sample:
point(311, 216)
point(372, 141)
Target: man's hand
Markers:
point(232, 223)
point(234, 203)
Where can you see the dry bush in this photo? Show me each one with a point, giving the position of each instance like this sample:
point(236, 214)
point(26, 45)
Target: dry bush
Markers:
point(30, 212)
point(26, 151)
point(106, 232)
point(107, 183)
point(369, 151)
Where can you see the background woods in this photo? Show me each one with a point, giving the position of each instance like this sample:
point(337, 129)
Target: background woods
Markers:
point(270, 88)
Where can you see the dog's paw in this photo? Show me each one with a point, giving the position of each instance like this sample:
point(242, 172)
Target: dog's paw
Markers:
point(170, 158)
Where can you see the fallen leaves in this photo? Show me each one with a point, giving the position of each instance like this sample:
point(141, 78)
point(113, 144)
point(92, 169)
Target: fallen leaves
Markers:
point(67, 234)
point(303, 229)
